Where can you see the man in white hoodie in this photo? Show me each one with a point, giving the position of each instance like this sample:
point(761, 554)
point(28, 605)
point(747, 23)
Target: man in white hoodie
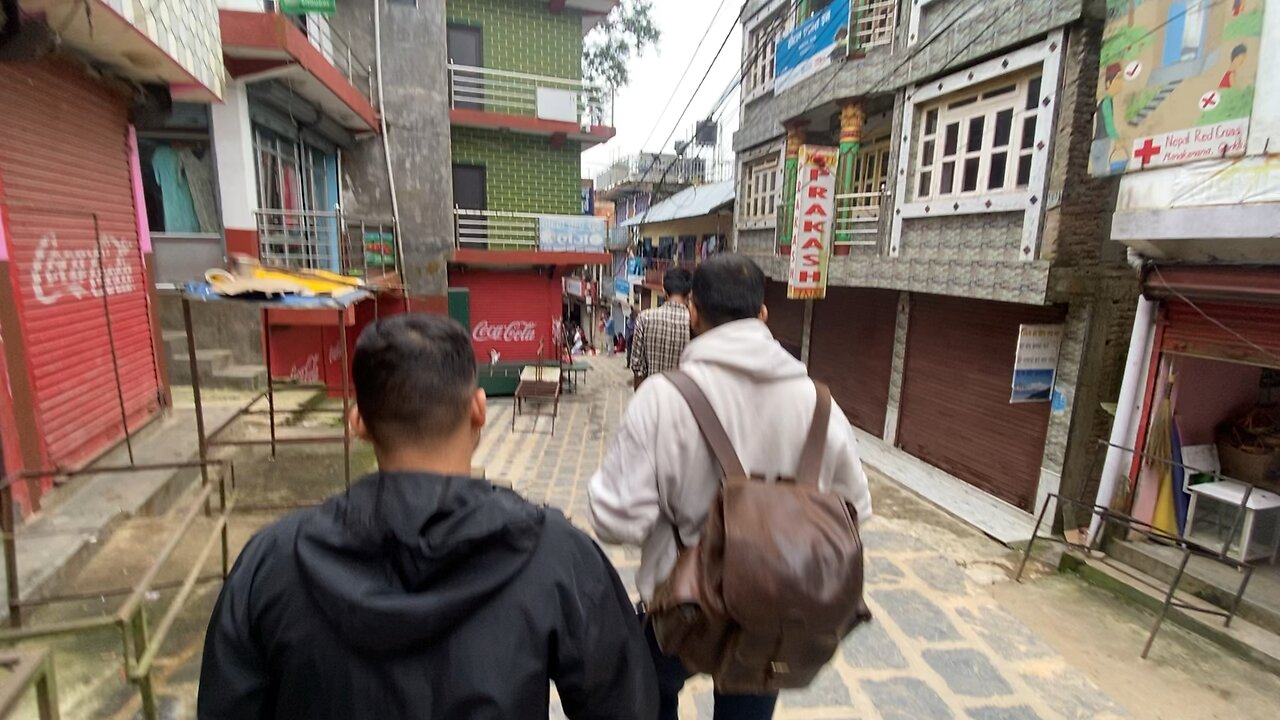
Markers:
point(765, 400)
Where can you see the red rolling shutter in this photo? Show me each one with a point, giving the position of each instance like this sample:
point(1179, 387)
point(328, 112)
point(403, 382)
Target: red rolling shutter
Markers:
point(786, 317)
point(65, 168)
point(851, 350)
point(955, 411)
point(1253, 334)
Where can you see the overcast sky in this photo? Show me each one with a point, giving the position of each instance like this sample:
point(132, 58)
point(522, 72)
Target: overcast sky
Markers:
point(638, 107)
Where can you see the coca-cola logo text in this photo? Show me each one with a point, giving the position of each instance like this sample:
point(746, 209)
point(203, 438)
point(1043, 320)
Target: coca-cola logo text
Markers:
point(57, 272)
point(514, 331)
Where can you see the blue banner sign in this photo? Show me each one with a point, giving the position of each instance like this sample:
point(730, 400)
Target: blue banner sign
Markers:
point(571, 233)
point(818, 42)
point(622, 289)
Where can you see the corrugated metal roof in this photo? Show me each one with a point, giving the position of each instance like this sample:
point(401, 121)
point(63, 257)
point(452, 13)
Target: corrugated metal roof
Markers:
point(691, 202)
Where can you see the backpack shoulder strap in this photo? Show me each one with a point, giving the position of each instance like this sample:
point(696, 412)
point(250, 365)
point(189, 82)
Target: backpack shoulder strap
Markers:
point(712, 429)
point(815, 446)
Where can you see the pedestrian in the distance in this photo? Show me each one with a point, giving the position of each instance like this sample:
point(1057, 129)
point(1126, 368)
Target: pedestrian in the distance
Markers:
point(422, 592)
point(628, 331)
point(662, 333)
point(659, 478)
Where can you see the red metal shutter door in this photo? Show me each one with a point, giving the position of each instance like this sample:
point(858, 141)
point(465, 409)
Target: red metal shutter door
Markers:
point(786, 317)
point(955, 411)
point(65, 165)
point(851, 349)
point(512, 312)
point(1254, 335)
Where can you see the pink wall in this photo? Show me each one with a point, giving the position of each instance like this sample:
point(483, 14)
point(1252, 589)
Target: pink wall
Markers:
point(1207, 392)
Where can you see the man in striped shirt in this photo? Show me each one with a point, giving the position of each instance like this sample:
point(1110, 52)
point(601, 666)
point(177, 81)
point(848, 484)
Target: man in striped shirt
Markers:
point(662, 333)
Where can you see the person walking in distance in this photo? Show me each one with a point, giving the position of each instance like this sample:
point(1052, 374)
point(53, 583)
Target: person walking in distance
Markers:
point(422, 592)
point(662, 333)
point(659, 478)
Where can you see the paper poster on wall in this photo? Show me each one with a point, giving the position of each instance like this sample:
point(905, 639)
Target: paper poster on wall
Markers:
point(1176, 83)
point(814, 215)
point(816, 43)
point(1036, 363)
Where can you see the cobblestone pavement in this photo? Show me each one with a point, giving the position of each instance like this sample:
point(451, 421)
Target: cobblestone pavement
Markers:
point(940, 646)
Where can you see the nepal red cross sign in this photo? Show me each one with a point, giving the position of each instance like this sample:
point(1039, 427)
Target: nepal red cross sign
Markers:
point(814, 217)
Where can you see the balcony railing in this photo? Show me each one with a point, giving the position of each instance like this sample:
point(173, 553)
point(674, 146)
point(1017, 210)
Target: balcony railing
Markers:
point(875, 22)
point(651, 169)
point(326, 241)
point(492, 229)
point(513, 93)
point(858, 218)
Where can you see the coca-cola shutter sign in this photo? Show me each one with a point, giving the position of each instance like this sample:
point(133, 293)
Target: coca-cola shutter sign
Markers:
point(511, 312)
point(73, 242)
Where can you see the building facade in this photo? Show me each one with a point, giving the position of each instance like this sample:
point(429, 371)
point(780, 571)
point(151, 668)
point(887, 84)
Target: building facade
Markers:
point(965, 223)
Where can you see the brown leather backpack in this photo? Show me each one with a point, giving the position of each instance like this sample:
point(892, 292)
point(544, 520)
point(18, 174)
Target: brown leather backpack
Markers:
point(774, 583)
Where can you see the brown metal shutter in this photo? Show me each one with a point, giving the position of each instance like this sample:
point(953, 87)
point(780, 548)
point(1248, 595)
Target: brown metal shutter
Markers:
point(955, 411)
point(851, 349)
point(1189, 332)
point(64, 165)
point(786, 317)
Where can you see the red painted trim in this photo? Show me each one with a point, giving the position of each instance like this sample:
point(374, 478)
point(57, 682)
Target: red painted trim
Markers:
point(102, 6)
point(242, 242)
point(556, 6)
point(272, 31)
point(1148, 400)
point(322, 318)
point(528, 258)
point(239, 67)
point(529, 125)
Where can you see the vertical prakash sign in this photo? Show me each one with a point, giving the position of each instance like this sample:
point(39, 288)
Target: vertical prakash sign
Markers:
point(1036, 364)
point(814, 215)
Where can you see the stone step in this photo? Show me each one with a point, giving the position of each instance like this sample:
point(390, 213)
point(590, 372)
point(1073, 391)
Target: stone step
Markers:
point(209, 362)
point(240, 377)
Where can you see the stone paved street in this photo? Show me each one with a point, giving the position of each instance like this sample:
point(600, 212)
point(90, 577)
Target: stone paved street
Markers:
point(940, 647)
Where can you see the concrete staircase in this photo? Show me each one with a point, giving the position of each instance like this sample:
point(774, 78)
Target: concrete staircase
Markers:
point(217, 367)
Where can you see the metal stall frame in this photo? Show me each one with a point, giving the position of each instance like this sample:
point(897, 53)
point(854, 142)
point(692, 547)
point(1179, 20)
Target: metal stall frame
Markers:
point(209, 440)
point(29, 669)
point(1150, 532)
point(140, 643)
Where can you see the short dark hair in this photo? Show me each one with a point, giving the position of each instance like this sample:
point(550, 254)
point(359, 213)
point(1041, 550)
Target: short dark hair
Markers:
point(415, 376)
point(677, 281)
point(1238, 50)
point(728, 287)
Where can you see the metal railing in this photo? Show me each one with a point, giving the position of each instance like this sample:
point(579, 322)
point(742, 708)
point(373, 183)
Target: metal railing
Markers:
point(874, 24)
point(482, 229)
point(513, 93)
point(651, 168)
point(857, 217)
point(314, 240)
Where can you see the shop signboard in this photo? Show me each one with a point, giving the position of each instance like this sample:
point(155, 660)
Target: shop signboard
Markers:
point(816, 43)
point(814, 215)
point(1036, 364)
point(622, 289)
point(307, 7)
point(1176, 83)
point(571, 233)
point(573, 287)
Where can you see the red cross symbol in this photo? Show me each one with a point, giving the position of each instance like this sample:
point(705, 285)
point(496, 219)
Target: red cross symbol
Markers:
point(1147, 151)
point(1209, 100)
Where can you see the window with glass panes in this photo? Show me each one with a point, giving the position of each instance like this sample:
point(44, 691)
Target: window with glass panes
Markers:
point(760, 184)
point(871, 169)
point(978, 142)
point(761, 53)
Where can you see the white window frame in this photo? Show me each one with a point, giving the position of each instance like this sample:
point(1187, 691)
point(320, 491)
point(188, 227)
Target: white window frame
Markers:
point(761, 189)
point(973, 117)
point(1045, 54)
point(872, 170)
point(760, 52)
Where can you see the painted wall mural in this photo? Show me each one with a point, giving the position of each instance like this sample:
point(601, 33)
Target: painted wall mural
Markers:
point(1176, 82)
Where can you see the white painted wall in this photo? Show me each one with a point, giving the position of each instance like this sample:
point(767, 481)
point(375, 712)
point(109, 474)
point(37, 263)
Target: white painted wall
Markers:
point(233, 148)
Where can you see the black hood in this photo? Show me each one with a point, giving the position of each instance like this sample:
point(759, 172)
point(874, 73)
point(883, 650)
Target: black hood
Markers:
point(402, 558)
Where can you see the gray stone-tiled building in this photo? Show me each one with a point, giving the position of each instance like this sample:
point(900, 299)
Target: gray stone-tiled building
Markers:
point(964, 212)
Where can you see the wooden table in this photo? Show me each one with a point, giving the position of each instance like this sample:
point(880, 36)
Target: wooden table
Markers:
point(539, 384)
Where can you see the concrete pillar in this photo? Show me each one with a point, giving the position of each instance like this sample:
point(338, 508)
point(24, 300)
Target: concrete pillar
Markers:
point(791, 166)
point(1072, 391)
point(899, 364)
point(232, 133)
point(852, 117)
point(806, 332)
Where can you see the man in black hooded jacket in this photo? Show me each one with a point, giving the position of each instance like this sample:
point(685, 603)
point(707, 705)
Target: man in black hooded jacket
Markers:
point(423, 593)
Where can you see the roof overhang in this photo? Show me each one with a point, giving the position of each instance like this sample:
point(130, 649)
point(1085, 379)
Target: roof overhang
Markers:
point(588, 136)
point(593, 11)
point(266, 46)
point(98, 30)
